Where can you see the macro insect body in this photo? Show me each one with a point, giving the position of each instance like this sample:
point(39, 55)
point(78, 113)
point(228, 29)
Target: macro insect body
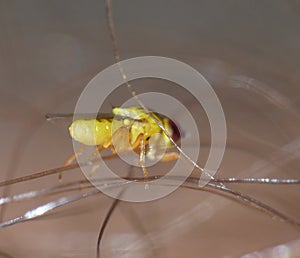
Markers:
point(134, 128)
point(128, 128)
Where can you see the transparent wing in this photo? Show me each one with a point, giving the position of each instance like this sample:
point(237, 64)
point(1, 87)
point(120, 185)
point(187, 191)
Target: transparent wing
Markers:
point(71, 116)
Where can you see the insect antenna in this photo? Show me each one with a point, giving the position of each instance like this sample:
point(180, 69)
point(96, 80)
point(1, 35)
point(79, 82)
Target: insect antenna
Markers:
point(116, 52)
point(105, 223)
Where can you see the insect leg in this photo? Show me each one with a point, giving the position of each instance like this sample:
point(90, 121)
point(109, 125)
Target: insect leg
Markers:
point(98, 150)
point(70, 160)
point(169, 156)
point(143, 155)
point(139, 142)
point(74, 155)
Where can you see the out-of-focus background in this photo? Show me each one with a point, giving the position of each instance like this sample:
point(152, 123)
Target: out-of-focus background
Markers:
point(250, 53)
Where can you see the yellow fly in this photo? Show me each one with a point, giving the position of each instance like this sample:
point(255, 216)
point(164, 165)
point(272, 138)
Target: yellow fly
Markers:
point(131, 128)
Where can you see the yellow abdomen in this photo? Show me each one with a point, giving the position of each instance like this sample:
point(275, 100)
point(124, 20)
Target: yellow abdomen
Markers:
point(91, 132)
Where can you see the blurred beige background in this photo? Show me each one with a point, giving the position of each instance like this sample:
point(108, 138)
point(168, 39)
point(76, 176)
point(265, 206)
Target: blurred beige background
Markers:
point(49, 50)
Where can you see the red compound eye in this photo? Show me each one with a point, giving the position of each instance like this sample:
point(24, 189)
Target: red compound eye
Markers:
point(175, 130)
